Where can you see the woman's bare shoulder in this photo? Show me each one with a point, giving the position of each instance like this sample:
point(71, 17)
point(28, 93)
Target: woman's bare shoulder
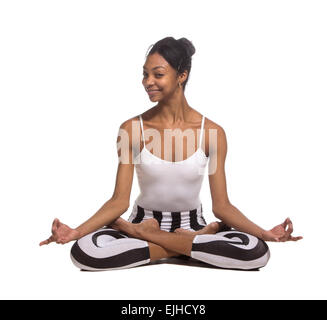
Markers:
point(127, 124)
point(210, 124)
point(216, 139)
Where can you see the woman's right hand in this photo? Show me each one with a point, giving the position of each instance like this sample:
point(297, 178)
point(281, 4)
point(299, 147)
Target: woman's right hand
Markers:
point(61, 233)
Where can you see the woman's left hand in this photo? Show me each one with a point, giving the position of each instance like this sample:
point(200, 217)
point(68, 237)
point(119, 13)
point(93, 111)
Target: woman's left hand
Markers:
point(281, 233)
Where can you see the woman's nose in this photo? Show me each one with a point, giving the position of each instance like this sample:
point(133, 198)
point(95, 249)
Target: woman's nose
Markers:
point(148, 82)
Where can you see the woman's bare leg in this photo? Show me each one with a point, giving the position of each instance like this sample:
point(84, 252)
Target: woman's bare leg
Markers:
point(211, 228)
point(157, 252)
point(149, 230)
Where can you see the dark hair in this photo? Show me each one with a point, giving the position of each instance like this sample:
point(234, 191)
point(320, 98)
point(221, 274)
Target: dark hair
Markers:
point(178, 53)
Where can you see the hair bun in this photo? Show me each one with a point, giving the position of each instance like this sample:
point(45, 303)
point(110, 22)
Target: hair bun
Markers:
point(188, 45)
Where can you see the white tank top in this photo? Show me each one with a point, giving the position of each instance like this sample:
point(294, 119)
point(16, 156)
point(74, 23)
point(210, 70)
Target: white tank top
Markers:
point(170, 186)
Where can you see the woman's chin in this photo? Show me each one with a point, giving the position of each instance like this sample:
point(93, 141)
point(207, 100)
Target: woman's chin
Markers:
point(153, 98)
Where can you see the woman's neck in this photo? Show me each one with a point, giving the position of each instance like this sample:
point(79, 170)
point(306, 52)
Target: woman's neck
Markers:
point(174, 112)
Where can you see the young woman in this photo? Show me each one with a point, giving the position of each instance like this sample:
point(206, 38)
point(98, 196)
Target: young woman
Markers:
point(166, 219)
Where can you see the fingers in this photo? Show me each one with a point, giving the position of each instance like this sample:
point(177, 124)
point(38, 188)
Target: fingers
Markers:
point(55, 225)
point(295, 238)
point(284, 224)
point(43, 242)
point(61, 240)
point(290, 228)
point(285, 231)
point(54, 228)
point(288, 233)
point(49, 240)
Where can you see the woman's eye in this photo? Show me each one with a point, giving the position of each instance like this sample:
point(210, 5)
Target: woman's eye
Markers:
point(159, 74)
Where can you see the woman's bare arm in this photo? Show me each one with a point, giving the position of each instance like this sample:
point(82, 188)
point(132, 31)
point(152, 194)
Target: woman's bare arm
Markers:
point(224, 210)
point(119, 202)
point(221, 206)
point(111, 209)
point(114, 207)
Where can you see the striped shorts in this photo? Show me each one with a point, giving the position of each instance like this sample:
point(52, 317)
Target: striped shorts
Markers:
point(169, 221)
point(109, 249)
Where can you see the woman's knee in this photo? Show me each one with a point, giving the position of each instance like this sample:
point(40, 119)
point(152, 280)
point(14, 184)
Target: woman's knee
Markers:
point(260, 256)
point(255, 253)
point(81, 259)
point(232, 250)
point(105, 250)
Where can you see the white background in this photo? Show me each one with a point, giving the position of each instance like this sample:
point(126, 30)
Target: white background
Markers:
point(70, 74)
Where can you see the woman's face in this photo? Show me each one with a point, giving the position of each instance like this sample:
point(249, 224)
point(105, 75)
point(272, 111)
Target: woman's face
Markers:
point(159, 78)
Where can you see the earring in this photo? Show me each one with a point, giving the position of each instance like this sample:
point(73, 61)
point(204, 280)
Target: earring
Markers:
point(179, 84)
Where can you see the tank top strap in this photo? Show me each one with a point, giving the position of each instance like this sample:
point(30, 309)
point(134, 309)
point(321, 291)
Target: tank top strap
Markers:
point(141, 121)
point(201, 132)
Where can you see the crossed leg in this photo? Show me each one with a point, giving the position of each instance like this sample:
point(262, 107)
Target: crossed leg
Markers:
point(124, 245)
point(163, 244)
point(121, 245)
point(226, 249)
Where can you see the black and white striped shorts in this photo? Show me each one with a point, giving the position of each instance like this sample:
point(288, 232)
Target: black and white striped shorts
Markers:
point(192, 220)
point(109, 249)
